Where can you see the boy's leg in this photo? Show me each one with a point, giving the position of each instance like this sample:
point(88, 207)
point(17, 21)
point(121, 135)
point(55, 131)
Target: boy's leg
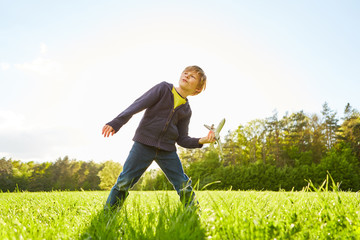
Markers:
point(139, 159)
point(170, 164)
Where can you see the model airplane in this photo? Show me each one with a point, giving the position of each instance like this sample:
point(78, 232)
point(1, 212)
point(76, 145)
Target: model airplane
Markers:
point(217, 134)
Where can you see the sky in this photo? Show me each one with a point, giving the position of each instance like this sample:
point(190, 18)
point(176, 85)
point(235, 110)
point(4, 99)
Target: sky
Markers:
point(69, 67)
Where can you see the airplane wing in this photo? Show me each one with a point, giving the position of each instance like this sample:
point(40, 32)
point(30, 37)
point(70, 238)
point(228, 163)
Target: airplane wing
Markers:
point(219, 127)
point(210, 128)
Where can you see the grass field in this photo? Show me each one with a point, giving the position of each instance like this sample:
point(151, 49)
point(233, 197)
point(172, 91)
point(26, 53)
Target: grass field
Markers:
point(159, 215)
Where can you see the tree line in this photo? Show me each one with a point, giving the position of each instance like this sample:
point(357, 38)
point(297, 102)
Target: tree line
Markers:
point(264, 154)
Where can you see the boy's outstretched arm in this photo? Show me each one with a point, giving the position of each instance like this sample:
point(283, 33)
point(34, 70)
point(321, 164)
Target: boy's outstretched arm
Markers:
point(107, 130)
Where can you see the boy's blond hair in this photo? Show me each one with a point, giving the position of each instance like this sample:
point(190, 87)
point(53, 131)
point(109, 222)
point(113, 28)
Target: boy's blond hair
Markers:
point(201, 74)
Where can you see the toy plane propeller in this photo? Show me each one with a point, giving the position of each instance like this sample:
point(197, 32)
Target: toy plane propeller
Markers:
point(217, 133)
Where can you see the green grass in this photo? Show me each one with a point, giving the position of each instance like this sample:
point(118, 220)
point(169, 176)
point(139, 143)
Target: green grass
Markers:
point(159, 215)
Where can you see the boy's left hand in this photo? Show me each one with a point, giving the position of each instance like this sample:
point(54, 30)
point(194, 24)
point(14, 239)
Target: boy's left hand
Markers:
point(210, 138)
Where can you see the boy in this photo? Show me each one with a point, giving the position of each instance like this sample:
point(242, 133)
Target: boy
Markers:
point(165, 122)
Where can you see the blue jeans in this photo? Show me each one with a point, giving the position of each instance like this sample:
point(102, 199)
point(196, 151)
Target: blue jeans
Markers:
point(139, 159)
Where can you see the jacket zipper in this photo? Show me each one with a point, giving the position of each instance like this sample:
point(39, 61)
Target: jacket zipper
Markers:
point(167, 124)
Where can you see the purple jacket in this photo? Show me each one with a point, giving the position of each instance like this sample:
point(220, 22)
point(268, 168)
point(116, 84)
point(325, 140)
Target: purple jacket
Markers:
point(161, 125)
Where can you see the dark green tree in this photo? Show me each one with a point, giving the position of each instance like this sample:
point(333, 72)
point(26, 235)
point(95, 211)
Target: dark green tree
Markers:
point(6, 175)
point(330, 125)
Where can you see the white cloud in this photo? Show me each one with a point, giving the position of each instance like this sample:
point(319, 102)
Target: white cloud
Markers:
point(43, 48)
point(4, 66)
point(19, 140)
point(32, 143)
point(41, 66)
point(11, 120)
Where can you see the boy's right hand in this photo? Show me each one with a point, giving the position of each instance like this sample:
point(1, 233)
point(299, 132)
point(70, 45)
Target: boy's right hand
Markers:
point(107, 130)
point(210, 138)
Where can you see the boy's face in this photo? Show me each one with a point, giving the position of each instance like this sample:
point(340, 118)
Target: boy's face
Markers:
point(189, 82)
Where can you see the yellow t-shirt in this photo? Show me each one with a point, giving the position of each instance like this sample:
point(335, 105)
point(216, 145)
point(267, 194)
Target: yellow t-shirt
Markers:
point(178, 99)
